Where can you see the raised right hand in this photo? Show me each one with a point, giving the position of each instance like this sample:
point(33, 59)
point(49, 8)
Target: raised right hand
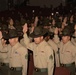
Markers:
point(25, 28)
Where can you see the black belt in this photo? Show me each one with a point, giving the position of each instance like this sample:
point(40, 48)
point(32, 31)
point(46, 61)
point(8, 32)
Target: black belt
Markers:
point(67, 65)
point(4, 64)
point(41, 69)
point(16, 68)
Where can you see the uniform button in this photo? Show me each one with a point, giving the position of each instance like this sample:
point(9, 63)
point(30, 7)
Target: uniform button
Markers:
point(36, 69)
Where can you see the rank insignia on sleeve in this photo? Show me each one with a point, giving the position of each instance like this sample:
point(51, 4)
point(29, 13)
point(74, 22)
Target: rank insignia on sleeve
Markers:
point(51, 57)
point(26, 56)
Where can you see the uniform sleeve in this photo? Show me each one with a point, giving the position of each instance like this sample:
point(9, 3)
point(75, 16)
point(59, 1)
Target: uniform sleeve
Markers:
point(56, 39)
point(24, 60)
point(75, 60)
point(27, 42)
point(74, 54)
point(57, 59)
point(0, 50)
point(1, 44)
point(50, 60)
point(73, 41)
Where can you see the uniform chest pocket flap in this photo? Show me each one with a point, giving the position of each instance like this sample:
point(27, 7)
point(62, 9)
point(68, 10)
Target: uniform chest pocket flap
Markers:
point(16, 54)
point(67, 51)
point(42, 53)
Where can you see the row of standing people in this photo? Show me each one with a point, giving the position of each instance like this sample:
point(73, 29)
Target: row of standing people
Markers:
point(64, 47)
point(43, 53)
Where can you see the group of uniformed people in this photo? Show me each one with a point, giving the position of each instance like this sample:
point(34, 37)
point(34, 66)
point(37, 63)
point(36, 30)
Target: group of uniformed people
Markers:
point(13, 56)
point(52, 45)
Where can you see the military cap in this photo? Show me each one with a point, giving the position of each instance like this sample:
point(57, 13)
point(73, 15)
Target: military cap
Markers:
point(59, 25)
point(38, 31)
point(0, 28)
point(13, 33)
point(46, 22)
point(18, 28)
point(66, 32)
point(17, 22)
point(50, 33)
point(5, 35)
point(40, 23)
point(4, 27)
point(23, 22)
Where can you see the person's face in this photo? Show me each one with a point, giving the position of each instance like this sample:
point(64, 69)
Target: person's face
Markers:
point(65, 39)
point(61, 18)
point(59, 29)
point(13, 41)
point(46, 27)
point(38, 39)
point(53, 22)
point(25, 28)
point(71, 18)
point(11, 22)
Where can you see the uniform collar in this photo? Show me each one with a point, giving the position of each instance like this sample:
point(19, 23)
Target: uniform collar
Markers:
point(40, 44)
point(16, 46)
point(66, 43)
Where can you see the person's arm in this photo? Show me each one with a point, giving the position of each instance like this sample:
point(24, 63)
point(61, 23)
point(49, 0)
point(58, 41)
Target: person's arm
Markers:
point(0, 40)
point(74, 53)
point(27, 42)
point(56, 38)
point(0, 35)
point(24, 60)
point(50, 60)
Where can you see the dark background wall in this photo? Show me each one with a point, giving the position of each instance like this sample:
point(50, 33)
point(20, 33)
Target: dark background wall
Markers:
point(4, 3)
point(47, 2)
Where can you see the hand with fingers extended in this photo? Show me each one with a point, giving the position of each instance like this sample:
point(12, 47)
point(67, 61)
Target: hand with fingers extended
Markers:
point(25, 28)
point(56, 31)
point(0, 34)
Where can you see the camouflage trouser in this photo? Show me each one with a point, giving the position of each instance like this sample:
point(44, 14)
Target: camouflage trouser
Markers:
point(75, 70)
point(0, 71)
point(71, 68)
point(13, 71)
point(39, 73)
point(4, 70)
